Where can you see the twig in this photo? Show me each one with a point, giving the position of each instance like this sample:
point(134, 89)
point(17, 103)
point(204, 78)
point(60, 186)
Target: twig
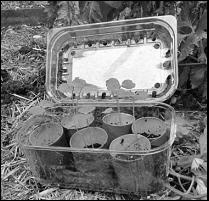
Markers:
point(184, 194)
point(179, 180)
point(21, 97)
point(172, 172)
point(90, 134)
point(41, 50)
point(26, 109)
point(191, 185)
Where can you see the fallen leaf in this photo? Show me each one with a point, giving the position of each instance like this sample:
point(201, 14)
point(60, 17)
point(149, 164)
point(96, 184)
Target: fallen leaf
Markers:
point(186, 161)
point(201, 188)
point(199, 169)
point(36, 37)
point(107, 111)
point(183, 126)
point(205, 121)
point(196, 163)
point(203, 142)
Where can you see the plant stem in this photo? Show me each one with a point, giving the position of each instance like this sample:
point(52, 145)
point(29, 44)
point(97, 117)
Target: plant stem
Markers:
point(91, 140)
point(90, 134)
point(191, 185)
point(186, 195)
point(134, 132)
point(179, 180)
point(81, 134)
point(76, 106)
point(84, 140)
point(118, 106)
point(172, 172)
point(133, 108)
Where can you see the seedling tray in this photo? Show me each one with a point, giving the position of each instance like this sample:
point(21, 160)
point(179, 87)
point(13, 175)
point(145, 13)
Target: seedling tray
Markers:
point(123, 68)
point(95, 169)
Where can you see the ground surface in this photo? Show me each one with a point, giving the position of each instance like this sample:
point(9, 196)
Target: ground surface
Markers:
point(22, 86)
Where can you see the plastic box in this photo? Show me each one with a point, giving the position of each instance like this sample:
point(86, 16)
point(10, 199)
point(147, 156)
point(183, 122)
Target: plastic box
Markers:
point(142, 50)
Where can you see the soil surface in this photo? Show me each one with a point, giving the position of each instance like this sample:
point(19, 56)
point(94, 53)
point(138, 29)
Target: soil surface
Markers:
point(95, 145)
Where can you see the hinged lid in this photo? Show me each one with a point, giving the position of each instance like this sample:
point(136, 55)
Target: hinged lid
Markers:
point(130, 59)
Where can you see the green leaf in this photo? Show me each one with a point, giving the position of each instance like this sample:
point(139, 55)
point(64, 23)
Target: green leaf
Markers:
point(113, 84)
point(183, 126)
point(197, 77)
point(202, 24)
point(125, 13)
point(184, 29)
point(63, 10)
point(202, 58)
point(128, 84)
point(78, 85)
point(183, 78)
point(66, 88)
point(92, 12)
point(187, 46)
point(204, 95)
point(191, 29)
point(114, 4)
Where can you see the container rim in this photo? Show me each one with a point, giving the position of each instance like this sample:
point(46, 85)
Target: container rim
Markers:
point(133, 125)
point(131, 134)
point(117, 113)
point(58, 126)
point(90, 117)
point(101, 129)
point(168, 21)
point(90, 150)
point(70, 149)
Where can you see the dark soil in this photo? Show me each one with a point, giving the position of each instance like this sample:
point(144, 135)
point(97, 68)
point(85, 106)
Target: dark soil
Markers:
point(127, 157)
point(95, 145)
point(149, 135)
point(119, 123)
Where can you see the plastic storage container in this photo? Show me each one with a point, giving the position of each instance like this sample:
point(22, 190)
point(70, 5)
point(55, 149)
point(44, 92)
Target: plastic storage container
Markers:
point(127, 66)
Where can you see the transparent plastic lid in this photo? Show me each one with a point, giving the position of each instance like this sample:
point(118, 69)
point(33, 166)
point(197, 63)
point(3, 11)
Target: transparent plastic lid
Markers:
point(121, 60)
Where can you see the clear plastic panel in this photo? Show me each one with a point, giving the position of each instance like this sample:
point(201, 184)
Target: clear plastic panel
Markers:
point(121, 170)
point(141, 50)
